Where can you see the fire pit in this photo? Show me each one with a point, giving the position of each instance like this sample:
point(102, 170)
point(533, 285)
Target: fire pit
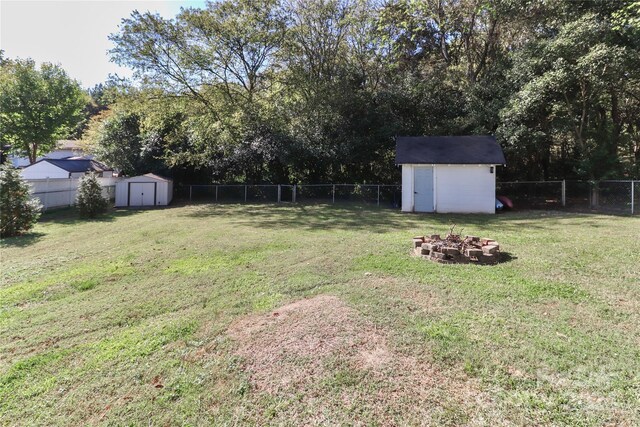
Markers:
point(454, 249)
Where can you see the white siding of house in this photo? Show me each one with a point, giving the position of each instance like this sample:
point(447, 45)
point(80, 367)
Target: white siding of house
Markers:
point(407, 188)
point(465, 189)
point(43, 170)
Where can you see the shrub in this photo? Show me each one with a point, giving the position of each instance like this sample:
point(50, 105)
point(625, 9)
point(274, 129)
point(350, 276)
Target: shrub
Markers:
point(89, 198)
point(18, 213)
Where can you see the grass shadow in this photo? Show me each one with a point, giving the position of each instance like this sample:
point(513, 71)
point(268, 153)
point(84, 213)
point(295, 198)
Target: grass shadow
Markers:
point(22, 240)
point(65, 216)
point(506, 257)
point(71, 216)
point(374, 219)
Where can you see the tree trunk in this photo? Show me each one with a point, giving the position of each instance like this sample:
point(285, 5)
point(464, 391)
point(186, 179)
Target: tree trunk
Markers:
point(617, 124)
point(33, 153)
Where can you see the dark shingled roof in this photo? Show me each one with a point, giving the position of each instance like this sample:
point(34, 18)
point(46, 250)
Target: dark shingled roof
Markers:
point(473, 149)
point(78, 165)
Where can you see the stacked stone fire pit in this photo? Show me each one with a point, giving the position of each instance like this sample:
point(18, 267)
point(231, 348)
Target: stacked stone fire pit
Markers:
point(454, 249)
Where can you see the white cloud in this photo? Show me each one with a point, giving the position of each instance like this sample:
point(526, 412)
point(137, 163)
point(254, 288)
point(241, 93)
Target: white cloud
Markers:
point(72, 33)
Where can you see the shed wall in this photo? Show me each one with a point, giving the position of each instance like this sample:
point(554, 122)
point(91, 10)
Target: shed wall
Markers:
point(162, 193)
point(164, 190)
point(122, 193)
point(169, 192)
point(407, 188)
point(465, 189)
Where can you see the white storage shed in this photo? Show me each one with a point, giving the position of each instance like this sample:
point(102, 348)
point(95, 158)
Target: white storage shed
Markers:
point(144, 190)
point(449, 174)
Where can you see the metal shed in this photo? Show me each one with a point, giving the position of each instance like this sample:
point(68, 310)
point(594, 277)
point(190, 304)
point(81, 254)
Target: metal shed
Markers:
point(449, 174)
point(144, 190)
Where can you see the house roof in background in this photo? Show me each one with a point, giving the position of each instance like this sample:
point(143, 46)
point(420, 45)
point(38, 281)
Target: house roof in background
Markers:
point(69, 144)
point(77, 165)
point(471, 149)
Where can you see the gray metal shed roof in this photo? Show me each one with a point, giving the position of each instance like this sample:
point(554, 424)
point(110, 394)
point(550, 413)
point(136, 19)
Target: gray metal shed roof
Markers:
point(472, 149)
point(152, 176)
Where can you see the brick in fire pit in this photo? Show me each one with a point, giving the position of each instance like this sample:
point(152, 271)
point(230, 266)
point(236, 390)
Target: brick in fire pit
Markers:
point(473, 252)
point(490, 249)
point(450, 251)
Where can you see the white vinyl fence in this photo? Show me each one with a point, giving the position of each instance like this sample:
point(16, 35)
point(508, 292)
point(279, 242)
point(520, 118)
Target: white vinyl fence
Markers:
point(61, 192)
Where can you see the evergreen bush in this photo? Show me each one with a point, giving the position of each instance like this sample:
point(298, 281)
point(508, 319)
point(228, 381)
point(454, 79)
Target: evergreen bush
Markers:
point(89, 198)
point(18, 213)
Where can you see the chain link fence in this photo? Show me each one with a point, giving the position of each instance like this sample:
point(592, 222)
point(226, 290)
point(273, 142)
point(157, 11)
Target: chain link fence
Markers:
point(614, 196)
point(373, 194)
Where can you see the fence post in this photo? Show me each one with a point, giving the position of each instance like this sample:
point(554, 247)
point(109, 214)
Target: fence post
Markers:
point(595, 195)
point(191, 193)
point(46, 195)
point(216, 193)
point(633, 197)
point(279, 193)
point(333, 193)
point(245, 194)
point(564, 193)
point(70, 192)
point(295, 188)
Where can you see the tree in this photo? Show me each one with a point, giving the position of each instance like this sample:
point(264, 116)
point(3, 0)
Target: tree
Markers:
point(313, 91)
point(118, 139)
point(228, 46)
point(89, 198)
point(37, 106)
point(18, 212)
point(568, 111)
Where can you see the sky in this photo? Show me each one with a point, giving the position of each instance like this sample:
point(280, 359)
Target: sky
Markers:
point(73, 34)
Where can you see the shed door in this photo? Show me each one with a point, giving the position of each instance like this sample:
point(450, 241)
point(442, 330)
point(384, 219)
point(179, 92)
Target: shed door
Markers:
point(423, 189)
point(142, 193)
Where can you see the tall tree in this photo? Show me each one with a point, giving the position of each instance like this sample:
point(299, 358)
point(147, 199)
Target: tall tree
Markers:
point(567, 111)
point(37, 106)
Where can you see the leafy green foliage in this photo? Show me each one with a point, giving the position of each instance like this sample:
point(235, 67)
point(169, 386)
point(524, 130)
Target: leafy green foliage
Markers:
point(89, 199)
point(18, 212)
point(313, 91)
point(37, 106)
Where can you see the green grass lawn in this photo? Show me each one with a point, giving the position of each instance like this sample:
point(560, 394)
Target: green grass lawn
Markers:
point(262, 314)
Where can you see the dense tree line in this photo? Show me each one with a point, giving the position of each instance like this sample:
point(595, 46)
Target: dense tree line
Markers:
point(315, 90)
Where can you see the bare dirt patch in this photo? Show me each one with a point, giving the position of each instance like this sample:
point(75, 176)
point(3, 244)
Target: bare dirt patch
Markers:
point(334, 360)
